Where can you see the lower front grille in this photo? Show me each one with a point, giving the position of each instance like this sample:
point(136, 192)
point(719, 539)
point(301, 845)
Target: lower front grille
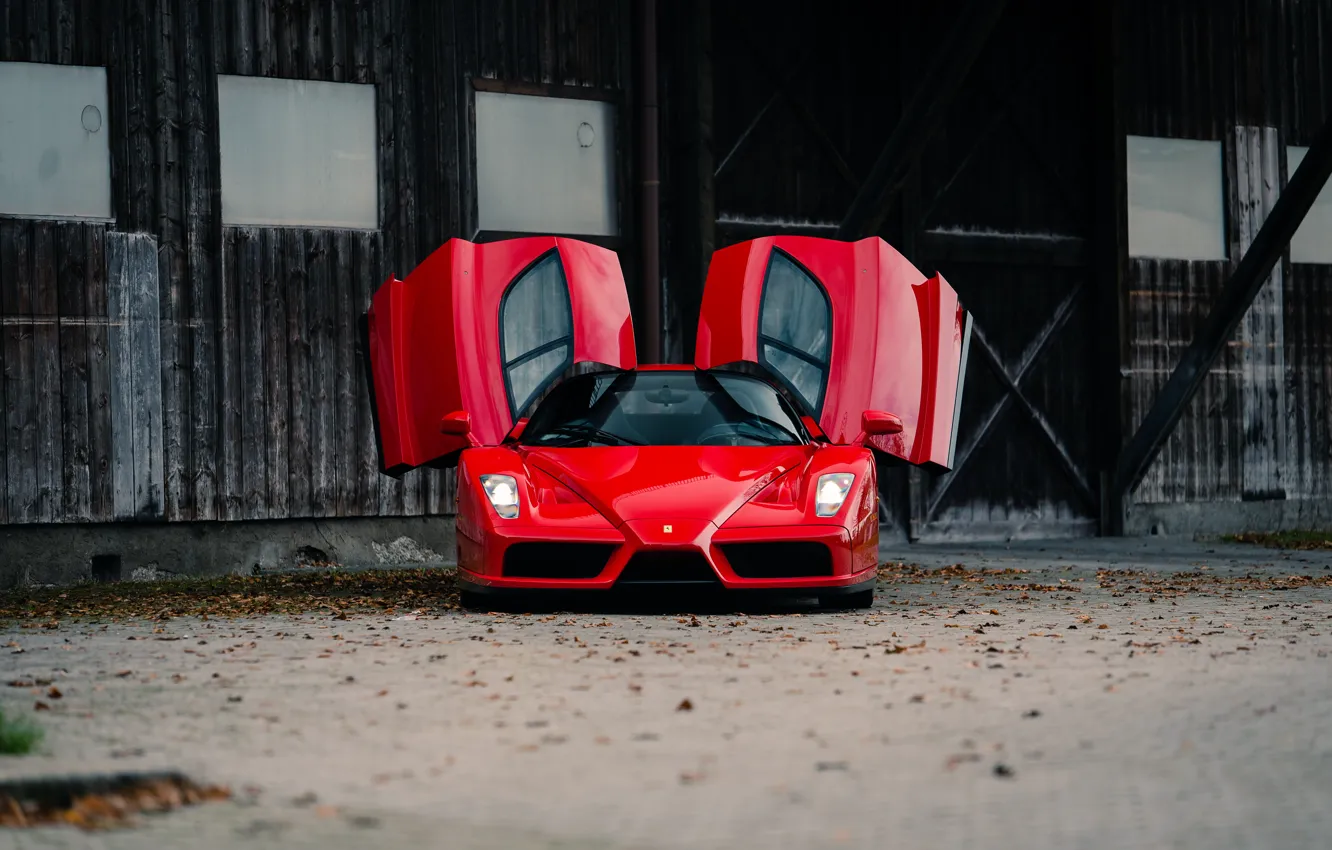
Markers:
point(788, 559)
point(668, 568)
point(556, 560)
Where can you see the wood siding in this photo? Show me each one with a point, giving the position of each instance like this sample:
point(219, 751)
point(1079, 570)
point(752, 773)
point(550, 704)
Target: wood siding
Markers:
point(258, 406)
point(1254, 76)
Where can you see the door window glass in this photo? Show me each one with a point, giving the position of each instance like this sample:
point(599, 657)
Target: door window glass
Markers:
point(536, 325)
point(795, 324)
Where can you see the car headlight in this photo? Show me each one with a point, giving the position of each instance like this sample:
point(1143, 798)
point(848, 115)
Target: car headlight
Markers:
point(502, 491)
point(831, 492)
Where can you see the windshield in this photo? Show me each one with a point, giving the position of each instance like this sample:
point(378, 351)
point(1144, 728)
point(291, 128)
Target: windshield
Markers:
point(661, 408)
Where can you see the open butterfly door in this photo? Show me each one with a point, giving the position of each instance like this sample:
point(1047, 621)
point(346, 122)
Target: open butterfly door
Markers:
point(845, 327)
point(486, 329)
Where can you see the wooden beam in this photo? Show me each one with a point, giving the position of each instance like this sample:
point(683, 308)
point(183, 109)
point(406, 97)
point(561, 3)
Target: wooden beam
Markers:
point(1109, 252)
point(921, 117)
point(1235, 298)
point(1035, 249)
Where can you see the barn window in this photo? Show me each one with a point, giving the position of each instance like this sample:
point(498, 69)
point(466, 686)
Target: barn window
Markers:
point(55, 158)
point(298, 153)
point(1312, 243)
point(545, 165)
point(795, 323)
point(536, 338)
point(1176, 206)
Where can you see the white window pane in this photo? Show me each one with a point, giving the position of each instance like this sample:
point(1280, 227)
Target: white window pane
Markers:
point(298, 152)
point(545, 164)
point(55, 159)
point(1175, 199)
point(1312, 243)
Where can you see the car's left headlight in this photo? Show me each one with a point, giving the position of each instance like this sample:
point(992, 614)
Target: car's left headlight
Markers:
point(502, 491)
point(831, 492)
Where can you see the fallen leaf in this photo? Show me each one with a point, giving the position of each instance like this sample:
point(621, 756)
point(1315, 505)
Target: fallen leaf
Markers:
point(685, 705)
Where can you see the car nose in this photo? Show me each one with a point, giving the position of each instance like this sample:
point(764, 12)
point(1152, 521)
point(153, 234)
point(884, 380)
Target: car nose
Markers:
point(670, 533)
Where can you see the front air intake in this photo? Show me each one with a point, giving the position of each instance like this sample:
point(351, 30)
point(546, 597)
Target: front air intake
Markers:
point(790, 559)
point(669, 567)
point(556, 560)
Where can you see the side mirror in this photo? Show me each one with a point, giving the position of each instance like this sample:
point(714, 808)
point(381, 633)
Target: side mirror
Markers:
point(457, 424)
point(516, 432)
point(877, 423)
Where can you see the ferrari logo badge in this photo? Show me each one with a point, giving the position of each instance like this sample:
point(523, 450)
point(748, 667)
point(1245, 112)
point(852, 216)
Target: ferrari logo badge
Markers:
point(666, 529)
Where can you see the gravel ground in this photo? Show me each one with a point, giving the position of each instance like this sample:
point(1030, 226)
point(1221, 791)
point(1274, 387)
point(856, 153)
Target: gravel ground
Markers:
point(1097, 694)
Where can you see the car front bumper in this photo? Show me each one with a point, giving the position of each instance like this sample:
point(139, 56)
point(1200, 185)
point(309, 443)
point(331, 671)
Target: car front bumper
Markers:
point(850, 565)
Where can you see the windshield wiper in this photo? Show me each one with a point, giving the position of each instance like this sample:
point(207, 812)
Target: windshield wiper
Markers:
point(591, 432)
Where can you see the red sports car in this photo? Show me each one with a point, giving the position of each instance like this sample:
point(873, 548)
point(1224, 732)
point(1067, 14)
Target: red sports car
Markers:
point(578, 469)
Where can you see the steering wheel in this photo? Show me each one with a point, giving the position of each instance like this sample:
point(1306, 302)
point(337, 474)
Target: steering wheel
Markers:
point(722, 434)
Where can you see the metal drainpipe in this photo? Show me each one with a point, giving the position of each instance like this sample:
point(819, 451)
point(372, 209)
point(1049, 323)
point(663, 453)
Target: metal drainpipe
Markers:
point(650, 196)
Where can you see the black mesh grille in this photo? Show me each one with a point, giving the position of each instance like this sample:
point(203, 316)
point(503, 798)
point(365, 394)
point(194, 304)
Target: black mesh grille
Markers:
point(556, 560)
point(668, 568)
point(789, 559)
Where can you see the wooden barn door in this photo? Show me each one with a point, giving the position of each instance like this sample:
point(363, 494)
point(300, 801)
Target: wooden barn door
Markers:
point(1002, 204)
point(999, 200)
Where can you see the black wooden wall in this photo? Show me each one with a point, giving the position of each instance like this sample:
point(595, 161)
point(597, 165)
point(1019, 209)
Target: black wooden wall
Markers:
point(1261, 427)
point(262, 409)
point(793, 108)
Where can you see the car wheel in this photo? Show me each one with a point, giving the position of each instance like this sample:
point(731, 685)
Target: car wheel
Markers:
point(847, 601)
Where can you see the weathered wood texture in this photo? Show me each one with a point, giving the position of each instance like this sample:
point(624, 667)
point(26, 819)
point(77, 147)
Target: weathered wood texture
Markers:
point(1000, 202)
point(55, 374)
point(1254, 77)
point(135, 356)
point(261, 408)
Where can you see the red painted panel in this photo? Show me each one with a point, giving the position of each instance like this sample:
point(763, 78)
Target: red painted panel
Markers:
point(435, 339)
point(897, 338)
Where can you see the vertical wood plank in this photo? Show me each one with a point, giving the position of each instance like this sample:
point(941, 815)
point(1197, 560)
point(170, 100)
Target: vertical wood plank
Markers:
point(170, 46)
point(1262, 343)
point(146, 354)
point(365, 279)
point(413, 497)
point(250, 340)
point(362, 50)
point(345, 346)
point(230, 486)
point(201, 220)
point(20, 385)
point(46, 372)
point(62, 31)
point(71, 247)
point(278, 399)
point(101, 504)
point(131, 269)
point(242, 33)
point(265, 41)
point(321, 391)
point(335, 47)
point(294, 264)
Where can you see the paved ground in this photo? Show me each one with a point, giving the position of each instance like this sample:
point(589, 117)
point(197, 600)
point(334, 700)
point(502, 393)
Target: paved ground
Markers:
point(1099, 694)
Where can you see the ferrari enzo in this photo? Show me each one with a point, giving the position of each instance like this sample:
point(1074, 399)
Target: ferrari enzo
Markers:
point(752, 468)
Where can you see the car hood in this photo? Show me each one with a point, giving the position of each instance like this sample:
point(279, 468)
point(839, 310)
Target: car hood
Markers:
point(668, 482)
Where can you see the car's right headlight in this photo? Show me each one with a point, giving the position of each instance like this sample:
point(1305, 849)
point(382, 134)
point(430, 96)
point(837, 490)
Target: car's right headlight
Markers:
point(831, 492)
point(502, 491)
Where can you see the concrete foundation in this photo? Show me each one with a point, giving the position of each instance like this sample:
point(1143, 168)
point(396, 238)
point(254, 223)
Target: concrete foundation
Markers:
point(1187, 519)
point(65, 554)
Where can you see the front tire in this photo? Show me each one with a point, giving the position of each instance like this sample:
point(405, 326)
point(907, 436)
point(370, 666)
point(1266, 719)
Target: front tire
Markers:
point(856, 601)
